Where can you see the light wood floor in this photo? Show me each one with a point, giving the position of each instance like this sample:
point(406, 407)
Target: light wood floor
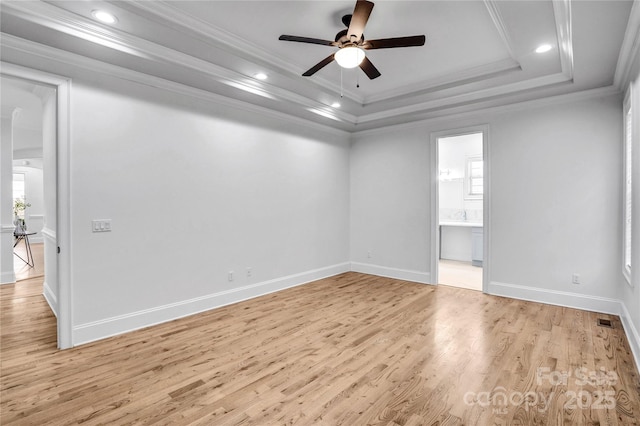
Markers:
point(24, 271)
point(348, 350)
point(459, 274)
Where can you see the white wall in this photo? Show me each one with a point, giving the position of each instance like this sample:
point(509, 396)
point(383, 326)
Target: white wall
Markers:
point(555, 198)
point(195, 190)
point(390, 202)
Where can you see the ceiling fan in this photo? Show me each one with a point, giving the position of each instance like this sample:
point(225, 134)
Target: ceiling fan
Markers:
point(351, 43)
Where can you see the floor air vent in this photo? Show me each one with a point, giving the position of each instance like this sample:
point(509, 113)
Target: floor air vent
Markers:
point(605, 323)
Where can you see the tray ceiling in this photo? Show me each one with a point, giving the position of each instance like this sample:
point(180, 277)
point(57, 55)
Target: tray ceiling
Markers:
point(477, 53)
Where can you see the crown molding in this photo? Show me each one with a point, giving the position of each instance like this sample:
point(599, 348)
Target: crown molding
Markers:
point(482, 113)
point(501, 27)
point(630, 48)
point(467, 76)
point(214, 35)
point(82, 62)
point(53, 17)
point(562, 13)
point(467, 98)
point(455, 79)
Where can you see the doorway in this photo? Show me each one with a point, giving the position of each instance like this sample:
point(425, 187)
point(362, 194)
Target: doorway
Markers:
point(53, 94)
point(459, 200)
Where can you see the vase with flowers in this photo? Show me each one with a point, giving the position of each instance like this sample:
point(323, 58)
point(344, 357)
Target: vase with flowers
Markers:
point(19, 206)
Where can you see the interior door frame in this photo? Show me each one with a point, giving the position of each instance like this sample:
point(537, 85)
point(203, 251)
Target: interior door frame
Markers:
point(435, 197)
point(63, 191)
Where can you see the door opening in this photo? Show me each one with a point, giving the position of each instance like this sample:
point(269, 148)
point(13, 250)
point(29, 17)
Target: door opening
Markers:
point(458, 209)
point(52, 93)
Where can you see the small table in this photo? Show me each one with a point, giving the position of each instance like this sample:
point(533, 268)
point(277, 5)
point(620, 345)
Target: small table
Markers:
point(24, 236)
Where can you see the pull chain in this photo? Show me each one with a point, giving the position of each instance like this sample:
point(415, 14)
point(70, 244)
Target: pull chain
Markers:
point(341, 90)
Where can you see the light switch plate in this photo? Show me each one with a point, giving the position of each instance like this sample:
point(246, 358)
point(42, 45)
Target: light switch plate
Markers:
point(101, 225)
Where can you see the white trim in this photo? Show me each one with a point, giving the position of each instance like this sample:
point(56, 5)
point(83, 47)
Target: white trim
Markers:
point(396, 273)
point(63, 198)
point(434, 206)
point(630, 48)
point(555, 297)
point(564, 30)
point(51, 298)
point(467, 98)
point(455, 79)
point(576, 301)
point(96, 330)
point(501, 26)
point(66, 22)
point(632, 333)
point(501, 109)
point(216, 36)
point(83, 62)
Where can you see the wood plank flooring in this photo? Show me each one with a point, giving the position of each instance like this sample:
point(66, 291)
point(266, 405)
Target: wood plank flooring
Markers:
point(348, 350)
point(24, 271)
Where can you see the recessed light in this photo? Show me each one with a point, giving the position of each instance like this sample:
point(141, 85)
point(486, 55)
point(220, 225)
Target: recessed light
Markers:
point(543, 48)
point(105, 17)
point(261, 76)
point(336, 105)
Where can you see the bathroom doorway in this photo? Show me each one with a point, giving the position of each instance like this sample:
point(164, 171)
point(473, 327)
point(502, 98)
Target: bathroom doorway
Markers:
point(459, 209)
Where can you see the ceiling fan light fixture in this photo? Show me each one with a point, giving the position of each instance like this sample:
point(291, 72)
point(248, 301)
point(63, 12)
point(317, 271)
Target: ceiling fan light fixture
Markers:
point(350, 56)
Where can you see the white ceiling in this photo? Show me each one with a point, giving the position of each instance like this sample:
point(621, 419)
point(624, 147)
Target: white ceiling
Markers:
point(477, 53)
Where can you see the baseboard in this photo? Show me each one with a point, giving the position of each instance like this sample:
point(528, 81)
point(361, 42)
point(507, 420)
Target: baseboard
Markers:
point(577, 301)
point(399, 274)
point(7, 278)
point(555, 297)
point(50, 297)
point(632, 333)
point(96, 330)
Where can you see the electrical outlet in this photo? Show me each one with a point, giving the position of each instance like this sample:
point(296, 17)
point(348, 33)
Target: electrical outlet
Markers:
point(249, 272)
point(230, 276)
point(575, 278)
point(369, 254)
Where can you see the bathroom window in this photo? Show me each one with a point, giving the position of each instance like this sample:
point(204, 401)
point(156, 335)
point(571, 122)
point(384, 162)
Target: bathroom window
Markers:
point(627, 208)
point(474, 178)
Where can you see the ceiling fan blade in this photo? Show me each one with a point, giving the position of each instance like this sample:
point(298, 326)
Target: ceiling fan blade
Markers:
point(307, 40)
point(317, 67)
point(388, 43)
point(368, 68)
point(359, 20)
